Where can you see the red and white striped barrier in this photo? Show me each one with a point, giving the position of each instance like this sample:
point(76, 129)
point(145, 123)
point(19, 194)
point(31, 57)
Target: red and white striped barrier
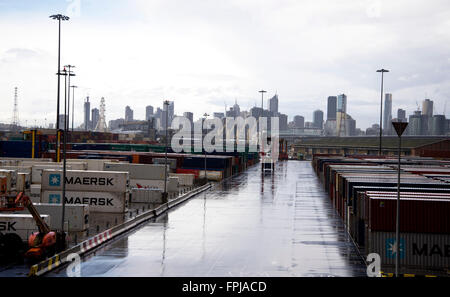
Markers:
point(96, 240)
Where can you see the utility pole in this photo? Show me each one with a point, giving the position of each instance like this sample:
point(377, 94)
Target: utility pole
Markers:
point(73, 104)
point(70, 73)
point(64, 152)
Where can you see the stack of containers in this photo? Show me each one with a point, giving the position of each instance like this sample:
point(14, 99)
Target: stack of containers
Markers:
point(424, 227)
point(141, 175)
point(103, 191)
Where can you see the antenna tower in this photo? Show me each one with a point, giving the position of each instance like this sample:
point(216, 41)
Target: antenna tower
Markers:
point(101, 125)
point(15, 121)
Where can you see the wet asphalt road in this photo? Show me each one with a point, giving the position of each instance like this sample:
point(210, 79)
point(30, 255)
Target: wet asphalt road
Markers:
point(251, 225)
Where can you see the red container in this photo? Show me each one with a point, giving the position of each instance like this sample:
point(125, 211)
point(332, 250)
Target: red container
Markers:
point(189, 171)
point(422, 215)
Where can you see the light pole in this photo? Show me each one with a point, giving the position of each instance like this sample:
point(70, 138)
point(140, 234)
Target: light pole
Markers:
point(381, 104)
point(205, 116)
point(60, 18)
point(70, 73)
point(166, 104)
point(64, 151)
point(73, 103)
point(399, 128)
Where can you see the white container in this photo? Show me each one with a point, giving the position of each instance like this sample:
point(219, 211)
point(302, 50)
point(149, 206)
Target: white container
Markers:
point(172, 184)
point(152, 184)
point(172, 162)
point(212, 175)
point(23, 182)
point(36, 171)
point(76, 215)
point(20, 224)
point(35, 193)
point(85, 181)
point(146, 196)
point(184, 179)
point(19, 169)
point(138, 171)
point(98, 201)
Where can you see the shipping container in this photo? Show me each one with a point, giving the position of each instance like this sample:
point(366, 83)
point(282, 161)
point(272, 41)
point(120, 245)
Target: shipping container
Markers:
point(138, 171)
point(77, 216)
point(146, 196)
point(184, 179)
point(21, 224)
point(172, 162)
point(111, 202)
point(417, 250)
point(83, 181)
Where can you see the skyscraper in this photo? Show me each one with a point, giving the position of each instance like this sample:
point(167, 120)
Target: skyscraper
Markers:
point(299, 121)
point(128, 114)
point(95, 117)
point(342, 103)
point(332, 108)
point(401, 115)
point(273, 104)
point(189, 115)
point(427, 108)
point(87, 114)
point(387, 118)
point(283, 122)
point(148, 112)
point(318, 119)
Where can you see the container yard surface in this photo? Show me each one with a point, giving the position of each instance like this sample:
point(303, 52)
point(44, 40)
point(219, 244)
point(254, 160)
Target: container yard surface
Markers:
point(249, 225)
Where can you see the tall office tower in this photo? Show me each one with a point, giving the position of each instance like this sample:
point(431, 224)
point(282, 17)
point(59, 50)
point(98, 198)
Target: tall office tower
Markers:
point(331, 108)
point(158, 113)
point(415, 126)
point(342, 103)
point(401, 115)
point(95, 117)
point(87, 114)
point(236, 108)
point(189, 115)
point(171, 112)
point(128, 114)
point(438, 125)
point(299, 122)
point(148, 112)
point(283, 122)
point(219, 115)
point(427, 107)
point(318, 119)
point(273, 104)
point(387, 118)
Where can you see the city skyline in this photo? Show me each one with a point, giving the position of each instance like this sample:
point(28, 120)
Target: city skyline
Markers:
point(209, 72)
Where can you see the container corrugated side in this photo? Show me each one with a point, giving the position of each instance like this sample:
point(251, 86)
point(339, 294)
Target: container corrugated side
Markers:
point(84, 181)
point(418, 250)
point(21, 224)
point(111, 202)
point(138, 171)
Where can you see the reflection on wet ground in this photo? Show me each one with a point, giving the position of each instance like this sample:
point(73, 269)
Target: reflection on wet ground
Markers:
point(250, 225)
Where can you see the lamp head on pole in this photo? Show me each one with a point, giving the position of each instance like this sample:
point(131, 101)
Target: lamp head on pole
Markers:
point(59, 17)
point(383, 70)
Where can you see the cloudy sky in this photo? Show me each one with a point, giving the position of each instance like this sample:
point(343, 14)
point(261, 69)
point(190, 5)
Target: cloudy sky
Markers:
point(205, 54)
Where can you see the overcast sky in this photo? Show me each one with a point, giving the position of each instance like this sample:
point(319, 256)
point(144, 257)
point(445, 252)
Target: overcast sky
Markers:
point(205, 54)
